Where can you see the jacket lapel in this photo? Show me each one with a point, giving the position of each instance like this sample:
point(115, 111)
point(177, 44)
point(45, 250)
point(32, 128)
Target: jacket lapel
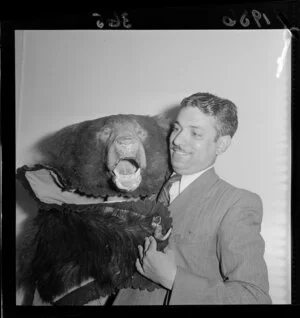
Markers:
point(195, 194)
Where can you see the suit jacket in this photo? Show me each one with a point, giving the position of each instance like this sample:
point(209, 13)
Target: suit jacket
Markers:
point(218, 247)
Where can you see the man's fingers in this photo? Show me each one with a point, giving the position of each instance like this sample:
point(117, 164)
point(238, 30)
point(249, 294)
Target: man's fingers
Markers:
point(139, 266)
point(141, 251)
point(153, 244)
point(146, 244)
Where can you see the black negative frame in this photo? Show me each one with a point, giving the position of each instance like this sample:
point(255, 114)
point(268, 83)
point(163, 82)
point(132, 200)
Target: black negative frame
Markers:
point(253, 15)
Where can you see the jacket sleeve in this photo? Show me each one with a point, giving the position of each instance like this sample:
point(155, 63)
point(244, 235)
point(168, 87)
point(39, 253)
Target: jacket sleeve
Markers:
point(240, 250)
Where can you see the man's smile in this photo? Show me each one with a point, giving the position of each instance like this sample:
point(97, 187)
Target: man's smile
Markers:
point(179, 152)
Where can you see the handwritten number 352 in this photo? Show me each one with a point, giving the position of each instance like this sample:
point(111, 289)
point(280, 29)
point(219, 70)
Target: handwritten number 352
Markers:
point(244, 21)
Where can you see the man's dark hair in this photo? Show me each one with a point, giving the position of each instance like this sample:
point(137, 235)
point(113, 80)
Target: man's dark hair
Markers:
point(223, 110)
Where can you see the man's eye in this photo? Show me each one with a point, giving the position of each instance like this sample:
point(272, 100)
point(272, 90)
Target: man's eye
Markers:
point(195, 134)
point(175, 128)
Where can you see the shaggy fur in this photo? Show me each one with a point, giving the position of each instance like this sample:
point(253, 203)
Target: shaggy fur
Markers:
point(69, 244)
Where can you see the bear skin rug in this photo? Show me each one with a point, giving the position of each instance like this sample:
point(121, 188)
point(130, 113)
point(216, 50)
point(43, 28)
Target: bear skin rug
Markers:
point(96, 189)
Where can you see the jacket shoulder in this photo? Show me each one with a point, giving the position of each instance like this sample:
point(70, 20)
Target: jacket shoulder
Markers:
point(240, 195)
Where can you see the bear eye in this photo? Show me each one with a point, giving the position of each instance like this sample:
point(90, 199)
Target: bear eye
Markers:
point(141, 133)
point(106, 132)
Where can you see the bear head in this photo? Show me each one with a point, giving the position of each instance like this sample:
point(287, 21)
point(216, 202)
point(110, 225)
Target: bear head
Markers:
point(111, 156)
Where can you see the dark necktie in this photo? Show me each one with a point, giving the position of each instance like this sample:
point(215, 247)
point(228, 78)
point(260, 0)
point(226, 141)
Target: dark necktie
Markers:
point(164, 195)
point(164, 198)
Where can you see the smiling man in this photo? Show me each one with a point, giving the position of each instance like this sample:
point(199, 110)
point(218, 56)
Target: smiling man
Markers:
point(216, 252)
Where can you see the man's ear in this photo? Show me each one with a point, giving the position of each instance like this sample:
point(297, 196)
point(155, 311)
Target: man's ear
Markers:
point(222, 144)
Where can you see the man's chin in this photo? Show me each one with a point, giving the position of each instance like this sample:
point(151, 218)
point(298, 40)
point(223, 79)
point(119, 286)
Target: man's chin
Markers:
point(179, 167)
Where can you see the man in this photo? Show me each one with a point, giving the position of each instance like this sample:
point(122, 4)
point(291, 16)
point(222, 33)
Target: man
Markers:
point(215, 255)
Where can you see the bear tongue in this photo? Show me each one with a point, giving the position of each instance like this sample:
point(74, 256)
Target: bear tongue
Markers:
point(125, 167)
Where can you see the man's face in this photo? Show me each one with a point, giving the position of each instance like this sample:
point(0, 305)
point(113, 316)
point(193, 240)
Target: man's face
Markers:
point(193, 147)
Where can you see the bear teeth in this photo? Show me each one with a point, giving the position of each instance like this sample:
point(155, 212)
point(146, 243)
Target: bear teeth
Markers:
point(126, 166)
point(127, 176)
point(128, 182)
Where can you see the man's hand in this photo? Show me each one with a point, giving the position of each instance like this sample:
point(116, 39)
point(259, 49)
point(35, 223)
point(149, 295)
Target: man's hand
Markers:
point(158, 266)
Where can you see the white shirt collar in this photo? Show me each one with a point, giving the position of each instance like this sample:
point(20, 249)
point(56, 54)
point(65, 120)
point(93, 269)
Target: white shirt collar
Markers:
point(185, 181)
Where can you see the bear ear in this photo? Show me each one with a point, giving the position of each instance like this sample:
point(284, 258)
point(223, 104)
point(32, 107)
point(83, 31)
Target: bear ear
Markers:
point(163, 121)
point(166, 118)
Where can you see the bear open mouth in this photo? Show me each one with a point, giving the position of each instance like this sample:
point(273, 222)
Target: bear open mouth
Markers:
point(127, 174)
point(126, 166)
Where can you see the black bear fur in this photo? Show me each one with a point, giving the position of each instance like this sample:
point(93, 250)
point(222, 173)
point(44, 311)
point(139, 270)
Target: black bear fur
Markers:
point(94, 239)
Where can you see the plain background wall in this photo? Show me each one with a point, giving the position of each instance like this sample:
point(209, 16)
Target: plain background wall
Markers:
point(66, 76)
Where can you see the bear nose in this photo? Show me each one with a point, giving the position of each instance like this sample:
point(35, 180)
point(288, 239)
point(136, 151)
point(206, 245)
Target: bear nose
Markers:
point(126, 140)
point(127, 146)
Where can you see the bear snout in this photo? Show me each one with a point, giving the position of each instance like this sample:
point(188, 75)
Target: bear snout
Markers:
point(126, 146)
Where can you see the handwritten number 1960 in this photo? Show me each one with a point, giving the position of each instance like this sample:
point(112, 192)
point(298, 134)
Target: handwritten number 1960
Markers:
point(245, 21)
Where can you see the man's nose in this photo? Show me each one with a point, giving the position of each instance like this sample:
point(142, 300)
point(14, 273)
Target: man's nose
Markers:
point(179, 139)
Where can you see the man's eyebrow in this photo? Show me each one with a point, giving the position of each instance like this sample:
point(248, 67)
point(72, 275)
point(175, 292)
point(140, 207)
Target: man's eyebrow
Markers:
point(196, 127)
point(190, 126)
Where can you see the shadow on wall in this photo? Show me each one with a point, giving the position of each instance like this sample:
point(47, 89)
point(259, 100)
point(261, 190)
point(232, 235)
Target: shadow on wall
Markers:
point(171, 112)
